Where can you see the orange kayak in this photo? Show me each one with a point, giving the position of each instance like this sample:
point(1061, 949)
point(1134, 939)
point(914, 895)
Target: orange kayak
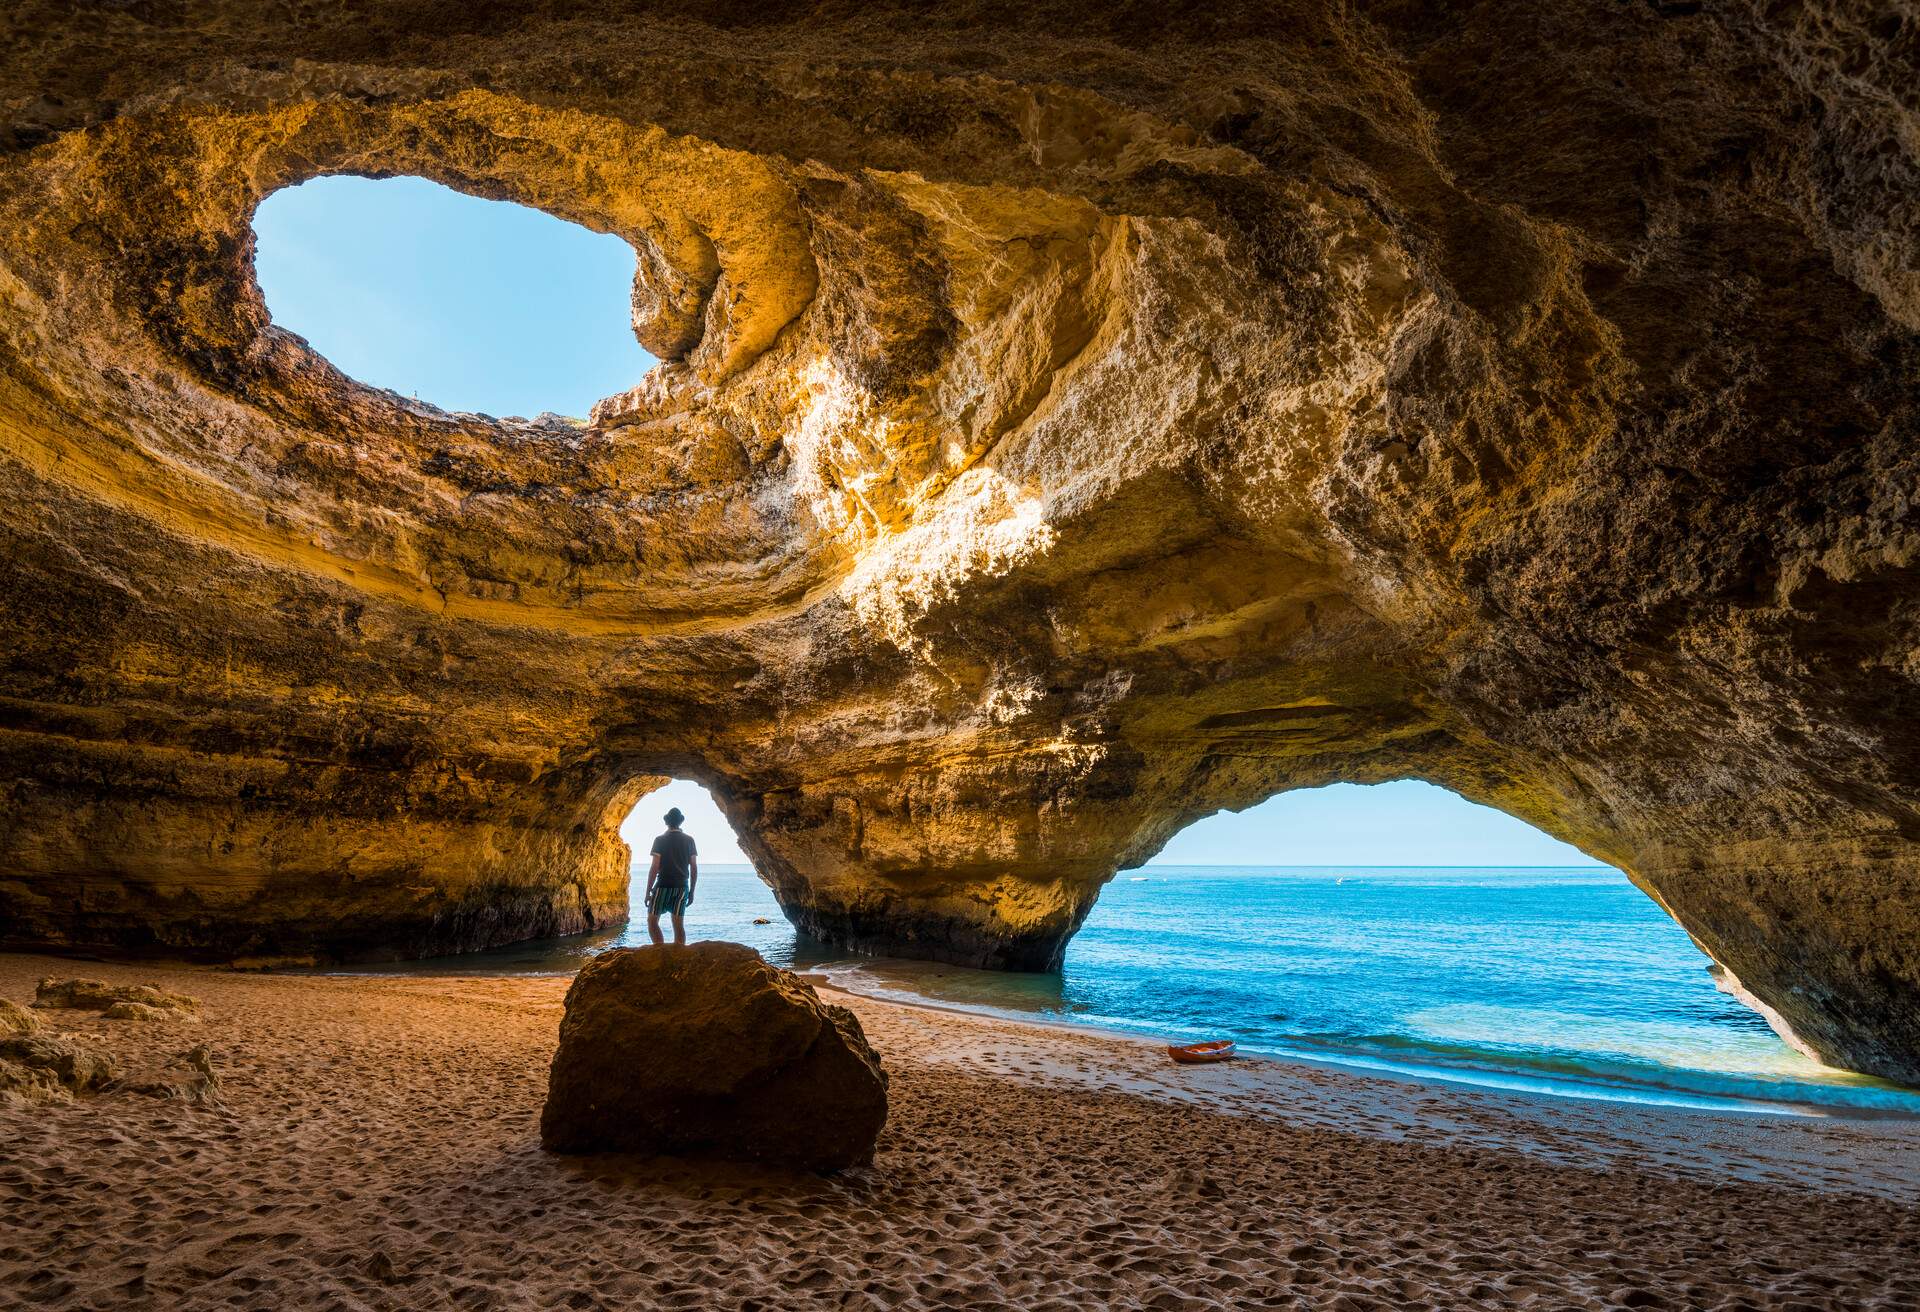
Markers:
point(1195, 1053)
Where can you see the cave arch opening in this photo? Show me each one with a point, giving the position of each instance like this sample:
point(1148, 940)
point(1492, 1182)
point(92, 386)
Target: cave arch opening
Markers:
point(467, 304)
point(1400, 925)
point(719, 845)
point(732, 900)
point(1405, 822)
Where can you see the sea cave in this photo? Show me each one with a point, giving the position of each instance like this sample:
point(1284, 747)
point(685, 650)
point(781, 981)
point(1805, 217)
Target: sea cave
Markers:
point(1069, 422)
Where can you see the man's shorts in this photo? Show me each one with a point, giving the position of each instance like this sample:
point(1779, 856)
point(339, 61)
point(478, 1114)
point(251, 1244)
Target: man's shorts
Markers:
point(669, 901)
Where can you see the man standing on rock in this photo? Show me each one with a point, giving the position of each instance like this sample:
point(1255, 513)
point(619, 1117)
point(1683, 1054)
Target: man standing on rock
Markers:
point(676, 869)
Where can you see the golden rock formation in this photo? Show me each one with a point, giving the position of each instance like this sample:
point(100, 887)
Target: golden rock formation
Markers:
point(707, 1051)
point(1073, 419)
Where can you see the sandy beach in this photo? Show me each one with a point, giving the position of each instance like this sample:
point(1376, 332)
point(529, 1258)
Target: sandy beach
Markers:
point(376, 1146)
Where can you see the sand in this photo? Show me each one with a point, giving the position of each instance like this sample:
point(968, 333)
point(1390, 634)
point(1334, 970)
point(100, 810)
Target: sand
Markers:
point(376, 1147)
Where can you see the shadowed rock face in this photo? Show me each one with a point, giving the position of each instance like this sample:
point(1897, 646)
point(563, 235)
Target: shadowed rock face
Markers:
point(1072, 420)
point(708, 1051)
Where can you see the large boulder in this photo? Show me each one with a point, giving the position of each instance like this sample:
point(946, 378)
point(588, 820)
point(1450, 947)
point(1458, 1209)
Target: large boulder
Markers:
point(707, 1050)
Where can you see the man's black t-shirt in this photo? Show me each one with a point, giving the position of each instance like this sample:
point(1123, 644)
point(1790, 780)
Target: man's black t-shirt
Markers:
point(675, 851)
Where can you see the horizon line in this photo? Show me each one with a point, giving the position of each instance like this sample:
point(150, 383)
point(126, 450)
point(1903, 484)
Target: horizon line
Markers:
point(1320, 865)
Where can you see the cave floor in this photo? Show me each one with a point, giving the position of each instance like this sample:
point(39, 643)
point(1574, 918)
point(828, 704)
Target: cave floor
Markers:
point(376, 1147)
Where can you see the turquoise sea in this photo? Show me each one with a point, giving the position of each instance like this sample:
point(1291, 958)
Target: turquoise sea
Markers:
point(1566, 981)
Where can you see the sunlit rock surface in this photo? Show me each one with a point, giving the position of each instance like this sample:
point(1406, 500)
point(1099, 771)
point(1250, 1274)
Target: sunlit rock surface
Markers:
point(129, 1001)
point(1073, 419)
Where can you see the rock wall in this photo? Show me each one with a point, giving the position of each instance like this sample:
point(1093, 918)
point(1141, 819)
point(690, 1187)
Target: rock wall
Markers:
point(1073, 419)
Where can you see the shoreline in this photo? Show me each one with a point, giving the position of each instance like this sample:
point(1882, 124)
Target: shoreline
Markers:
point(1275, 1087)
point(1409, 1072)
point(1262, 1083)
point(376, 1145)
point(1516, 1079)
point(1515, 1082)
point(1584, 1035)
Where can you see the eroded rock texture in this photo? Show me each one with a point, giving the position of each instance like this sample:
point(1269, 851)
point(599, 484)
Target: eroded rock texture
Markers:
point(45, 1067)
point(1074, 419)
point(706, 1050)
point(115, 1001)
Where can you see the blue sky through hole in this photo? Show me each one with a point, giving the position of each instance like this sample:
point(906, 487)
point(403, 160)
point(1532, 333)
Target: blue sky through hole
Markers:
point(481, 305)
point(470, 304)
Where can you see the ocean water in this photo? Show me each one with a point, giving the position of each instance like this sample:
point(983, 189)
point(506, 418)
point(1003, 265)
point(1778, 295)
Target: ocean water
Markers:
point(1564, 981)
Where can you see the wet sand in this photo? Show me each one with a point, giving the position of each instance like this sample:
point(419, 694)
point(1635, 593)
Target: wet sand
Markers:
point(377, 1147)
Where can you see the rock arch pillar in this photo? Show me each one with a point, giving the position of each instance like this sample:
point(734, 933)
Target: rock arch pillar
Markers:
point(988, 862)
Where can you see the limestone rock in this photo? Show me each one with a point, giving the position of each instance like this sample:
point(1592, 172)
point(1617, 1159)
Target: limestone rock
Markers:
point(41, 1066)
point(20, 1082)
point(707, 1050)
point(117, 1001)
point(1072, 420)
point(141, 1011)
point(16, 1019)
point(190, 1077)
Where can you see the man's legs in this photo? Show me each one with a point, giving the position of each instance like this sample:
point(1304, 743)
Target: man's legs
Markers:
point(676, 908)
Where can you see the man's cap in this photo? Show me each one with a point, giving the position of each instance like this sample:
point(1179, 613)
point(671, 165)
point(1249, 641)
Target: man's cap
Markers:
point(674, 817)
